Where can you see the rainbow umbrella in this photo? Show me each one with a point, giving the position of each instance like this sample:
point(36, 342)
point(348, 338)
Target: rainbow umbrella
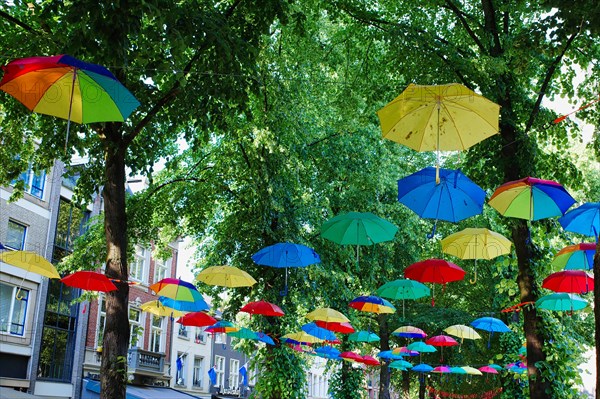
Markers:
point(68, 88)
point(222, 326)
point(576, 257)
point(584, 219)
point(531, 199)
point(185, 306)
point(409, 332)
point(176, 289)
point(372, 304)
point(158, 309)
point(404, 351)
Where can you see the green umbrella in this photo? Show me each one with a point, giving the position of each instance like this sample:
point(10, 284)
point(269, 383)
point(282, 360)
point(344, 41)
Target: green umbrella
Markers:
point(243, 333)
point(403, 289)
point(400, 364)
point(363, 336)
point(356, 228)
point(561, 302)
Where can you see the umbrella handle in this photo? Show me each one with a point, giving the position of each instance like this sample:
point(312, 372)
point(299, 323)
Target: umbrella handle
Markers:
point(474, 279)
point(432, 234)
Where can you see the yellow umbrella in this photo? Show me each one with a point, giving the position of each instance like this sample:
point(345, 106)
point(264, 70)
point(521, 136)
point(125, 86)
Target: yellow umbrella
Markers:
point(303, 337)
point(471, 370)
point(476, 243)
point(463, 332)
point(327, 315)
point(226, 276)
point(31, 262)
point(439, 118)
point(158, 309)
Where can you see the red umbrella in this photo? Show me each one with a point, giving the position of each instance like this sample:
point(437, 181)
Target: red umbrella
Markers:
point(263, 308)
point(571, 281)
point(370, 361)
point(351, 356)
point(89, 281)
point(198, 319)
point(434, 271)
point(441, 340)
point(342, 328)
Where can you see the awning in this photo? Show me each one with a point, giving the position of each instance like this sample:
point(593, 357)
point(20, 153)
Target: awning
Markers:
point(9, 393)
point(91, 390)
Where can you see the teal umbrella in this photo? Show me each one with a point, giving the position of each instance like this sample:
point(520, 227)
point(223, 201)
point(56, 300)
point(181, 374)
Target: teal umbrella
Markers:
point(421, 347)
point(357, 228)
point(363, 336)
point(561, 302)
point(403, 289)
point(400, 364)
point(243, 333)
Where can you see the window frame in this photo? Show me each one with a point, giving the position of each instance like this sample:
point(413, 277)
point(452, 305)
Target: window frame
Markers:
point(139, 261)
point(157, 333)
point(25, 227)
point(197, 380)
point(162, 266)
point(220, 361)
point(234, 374)
point(11, 312)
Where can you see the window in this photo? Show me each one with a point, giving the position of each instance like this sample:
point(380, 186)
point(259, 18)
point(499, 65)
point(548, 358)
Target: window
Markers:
point(15, 236)
point(160, 270)
point(183, 331)
point(101, 321)
point(156, 337)
point(71, 223)
point(219, 339)
point(34, 182)
point(200, 336)
point(181, 367)
point(197, 378)
point(13, 309)
point(136, 270)
point(58, 337)
point(136, 333)
point(220, 370)
point(234, 374)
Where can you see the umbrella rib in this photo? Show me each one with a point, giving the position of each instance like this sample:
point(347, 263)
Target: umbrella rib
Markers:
point(462, 144)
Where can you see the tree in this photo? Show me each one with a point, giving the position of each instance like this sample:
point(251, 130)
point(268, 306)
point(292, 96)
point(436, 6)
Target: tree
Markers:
point(185, 66)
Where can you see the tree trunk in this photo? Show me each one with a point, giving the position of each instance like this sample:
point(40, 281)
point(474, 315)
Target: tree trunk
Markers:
point(384, 372)
point(405, 385)
point(113, 369)
point(597, 315)
point(422, 385)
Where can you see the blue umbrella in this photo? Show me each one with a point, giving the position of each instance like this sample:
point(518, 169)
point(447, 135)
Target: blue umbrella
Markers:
point(584, 219)
point(422, 368)
point(492, 325)
point(328, 352)
point(319, 332)
point(185, 306)
point(389, 355)
point(455, 198)
point(262, 337)
point(285, 254)
point(2, 246)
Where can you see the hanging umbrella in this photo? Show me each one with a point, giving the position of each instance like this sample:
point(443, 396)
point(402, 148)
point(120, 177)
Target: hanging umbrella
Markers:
point(422, 368)
point(319, 332)
point(89, 281)
point(457, 370)
point(68, 88)
point(370, 361)
point(286, 255)
point(495, 367)
point(2, 247)
point(531, 199)
point(488, 369)
point(158, 309)
point(421, 347)
point(350, 356)
point(441, 369)
point(439, 118)
point(404, 351)
point(327, 352)
point(243, 333)
point(585, 219)
point(453, 197)
point(476, 243)
point(355, 228)
point(471, 370)
point(262, 337)
point(400, 364)
point(572, 281)
point(389, 355)
point(409, 332)
point(31, 262)
point(441, 341)
point(176, 289)
point(364, 336)
point(403, 289)
point(222, 326)
point(342, 328)
point(372, 304)
point(301, 338)
point(198, 319)
point(561, 302)
point(434, 271)
point(576, 257)
point(225, 276)
point(185, 306)
point(327, 315)
point(490, 324)
point(263, 308)
point(463, 332)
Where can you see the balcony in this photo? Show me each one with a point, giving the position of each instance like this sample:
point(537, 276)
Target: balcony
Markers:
point(140, 361)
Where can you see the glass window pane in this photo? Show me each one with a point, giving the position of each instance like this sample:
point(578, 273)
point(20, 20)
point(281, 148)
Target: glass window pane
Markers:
point(15, 235)
point(6, 298)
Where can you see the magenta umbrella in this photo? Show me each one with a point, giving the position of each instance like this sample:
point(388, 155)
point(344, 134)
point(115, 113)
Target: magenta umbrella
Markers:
point(441, 341)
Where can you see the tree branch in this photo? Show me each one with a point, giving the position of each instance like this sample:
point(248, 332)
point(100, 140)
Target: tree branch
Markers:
point(460, 15)
point(18, 22)
point(178, 180)
point(489, 13)
point(547, 79)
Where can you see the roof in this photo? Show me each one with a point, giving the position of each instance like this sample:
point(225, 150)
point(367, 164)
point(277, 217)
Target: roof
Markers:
point(91, 390)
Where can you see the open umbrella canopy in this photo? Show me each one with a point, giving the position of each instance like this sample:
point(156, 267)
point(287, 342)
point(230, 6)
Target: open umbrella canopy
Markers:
point(176, 289)
point(572, 281)
point(372, 304)
point(404, 351)
point(158, 309)
point(576, 257)
point(441, 340)
point(262, 308)
point(185, 306)
point(434, 271)
point(327, 315)
point(488, 369)
point(285, 254)
point(421, 347)
point(471, 370)
point(301, 338)
point(409, 332)
point(243, 333)
point(403, 289)
point(342, 328)
point(441, 369)
point(457, 370)
point(226, 276)
point(262, 337)
point(422, 368)
point(476, 243)
point(198, 319)
point(355, 228)
point(454, 198)
point(561, 302)
point(30, 262)
point(400, 364)
point(222, 326)
point(490, 324)
point(370, 361)
point(462, 331)
point(328, 352)
point(89, 281)
point(319, 332)
point(439, 117)
point(364, 336)
point(496, 367)
point(351, 356)
point(585, 219)
point(531, 199)
point(389, 355)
